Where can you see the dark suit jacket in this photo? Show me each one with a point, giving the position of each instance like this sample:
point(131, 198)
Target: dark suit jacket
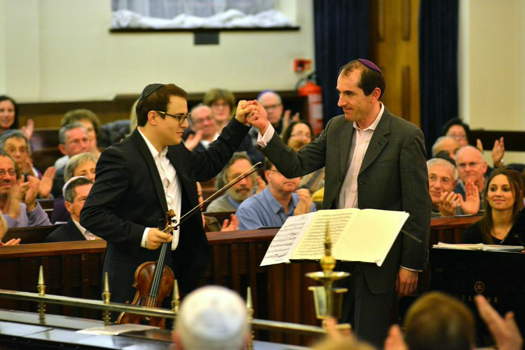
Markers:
point(393, 176)
point(128, 196)
point(65, 233)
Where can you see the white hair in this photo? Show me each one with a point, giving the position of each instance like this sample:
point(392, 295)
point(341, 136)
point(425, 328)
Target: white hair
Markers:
point(212, 318)
point(445, 163)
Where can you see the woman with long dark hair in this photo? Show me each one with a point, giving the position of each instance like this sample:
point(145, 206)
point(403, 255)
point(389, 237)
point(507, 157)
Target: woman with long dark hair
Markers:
point(504, 218)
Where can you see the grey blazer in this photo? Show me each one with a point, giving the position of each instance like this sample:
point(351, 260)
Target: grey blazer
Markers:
point(393, 176)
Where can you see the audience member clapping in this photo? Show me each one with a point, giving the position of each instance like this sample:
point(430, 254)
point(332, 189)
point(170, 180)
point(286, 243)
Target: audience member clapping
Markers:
point(279, 200)
point(504, 219)
point(18, 197)
point(3, 230)
point(442, 177)
point(204, 129)
point(472, 168)
point(212, 318)
point(439, 322)
point(16, 144)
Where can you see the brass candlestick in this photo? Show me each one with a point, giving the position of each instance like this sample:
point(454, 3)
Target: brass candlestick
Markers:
point(41, 287)
point(249, 307)
point(106, 296)
point(175, 300)
point(328, 300)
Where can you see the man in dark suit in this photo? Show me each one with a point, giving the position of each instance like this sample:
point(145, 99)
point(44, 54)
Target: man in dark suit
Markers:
point(151, 171)
point(376, 160)
point(76, 191)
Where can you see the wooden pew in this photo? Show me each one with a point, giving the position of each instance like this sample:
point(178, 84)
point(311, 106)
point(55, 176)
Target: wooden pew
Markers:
point(280, 292)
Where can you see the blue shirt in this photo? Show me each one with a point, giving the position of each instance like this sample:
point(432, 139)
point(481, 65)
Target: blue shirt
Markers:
point(263, 210)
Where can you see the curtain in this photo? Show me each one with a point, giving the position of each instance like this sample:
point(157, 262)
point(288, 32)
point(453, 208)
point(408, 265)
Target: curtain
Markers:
point(438, 60)
point(341, 35)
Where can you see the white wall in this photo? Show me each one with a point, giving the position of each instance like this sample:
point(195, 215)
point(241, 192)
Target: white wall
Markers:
point(62, 50)
point(492, 58)
point(2, 47)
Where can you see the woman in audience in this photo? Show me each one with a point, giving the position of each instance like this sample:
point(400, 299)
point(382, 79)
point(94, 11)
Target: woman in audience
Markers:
point(9, 117)
point(504, 218)
point(222, 104)
point(297, 135)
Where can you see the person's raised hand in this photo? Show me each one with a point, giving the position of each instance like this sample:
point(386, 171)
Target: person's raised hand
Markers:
point(46, 182)
point(504, 330)
point(498, 151)
point(193, 140)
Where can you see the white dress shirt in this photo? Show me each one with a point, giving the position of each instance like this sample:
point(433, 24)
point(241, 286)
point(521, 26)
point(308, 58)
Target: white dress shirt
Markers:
point(170, 184)
point(87, 235)
point(348, 197)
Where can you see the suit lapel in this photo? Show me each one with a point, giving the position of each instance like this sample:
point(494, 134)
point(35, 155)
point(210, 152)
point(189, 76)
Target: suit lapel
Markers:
point(346, 143)
point(151, 168)
point(378, 142)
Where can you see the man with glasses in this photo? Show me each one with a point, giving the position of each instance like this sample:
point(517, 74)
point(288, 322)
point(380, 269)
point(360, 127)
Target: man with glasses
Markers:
point(147, 174)
point(472, 168)
point(442, 176)
point(272, 103)
point(204, 129)
point(18, 202)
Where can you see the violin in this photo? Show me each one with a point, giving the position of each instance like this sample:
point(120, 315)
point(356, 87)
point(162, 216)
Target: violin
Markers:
point(153, 280)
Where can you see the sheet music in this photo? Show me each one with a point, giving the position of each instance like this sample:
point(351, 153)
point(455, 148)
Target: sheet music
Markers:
point(369, 237)
point(286, 239)
point(311, 245)
point(479, 246)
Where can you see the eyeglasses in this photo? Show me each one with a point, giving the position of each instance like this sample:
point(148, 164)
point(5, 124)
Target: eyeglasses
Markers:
point(274, 106)
point(181, 117)
point(469, 164)
point(11, 172)
point(444, 180)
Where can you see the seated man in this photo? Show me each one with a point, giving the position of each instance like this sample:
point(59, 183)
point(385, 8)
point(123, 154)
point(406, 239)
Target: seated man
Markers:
point(90, 121)
point(445, 147)
point(442, 177)
point(230, 201)
point(212, 317)
point(76, 191)
point(472, 167)
point(73, 140)
point(204, 129)
point(18, 198)
point(279, 200)
point(16, 144)
point(82, 164)
point(272, 103)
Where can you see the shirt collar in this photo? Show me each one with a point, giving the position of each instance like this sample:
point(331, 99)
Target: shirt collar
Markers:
point(80, 228)
point(372, 126)
point(152, 149)
point(275, 206)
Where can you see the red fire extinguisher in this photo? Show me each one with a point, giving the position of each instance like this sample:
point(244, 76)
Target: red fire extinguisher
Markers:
point(307, 87)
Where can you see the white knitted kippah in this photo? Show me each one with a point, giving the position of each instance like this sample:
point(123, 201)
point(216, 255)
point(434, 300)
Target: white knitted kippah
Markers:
point(212, 317)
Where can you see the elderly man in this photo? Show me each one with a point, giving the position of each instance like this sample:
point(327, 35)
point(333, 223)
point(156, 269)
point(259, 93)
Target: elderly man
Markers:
point(16, 144)
point(204, 127)
point(73, 139)
point(446, 146)
point(471, 168)
point(17, 198)
point(271, 101)
point(373, 160)
point(212, 318)
point(230, 201)
point(76, 191)
point(279, 200)
point(442, 176)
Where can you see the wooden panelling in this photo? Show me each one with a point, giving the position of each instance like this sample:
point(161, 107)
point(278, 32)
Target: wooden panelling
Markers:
point(394, 47)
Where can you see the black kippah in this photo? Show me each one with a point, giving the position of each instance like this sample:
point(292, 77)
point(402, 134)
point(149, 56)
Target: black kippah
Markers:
point(149, 89)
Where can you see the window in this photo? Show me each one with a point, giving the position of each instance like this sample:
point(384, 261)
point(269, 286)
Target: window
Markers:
point(193, 14)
